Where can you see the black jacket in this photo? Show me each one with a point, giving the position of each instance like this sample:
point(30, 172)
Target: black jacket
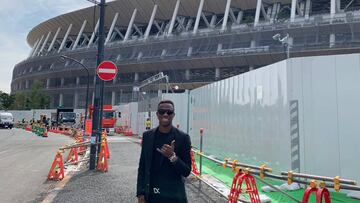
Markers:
point(182, 166)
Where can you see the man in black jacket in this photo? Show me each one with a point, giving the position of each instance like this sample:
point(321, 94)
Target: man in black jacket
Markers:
point(164, 161)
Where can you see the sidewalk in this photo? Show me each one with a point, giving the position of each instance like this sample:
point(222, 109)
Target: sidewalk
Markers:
point(119, 183)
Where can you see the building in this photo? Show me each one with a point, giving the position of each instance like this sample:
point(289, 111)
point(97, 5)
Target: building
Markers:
point(194, 42)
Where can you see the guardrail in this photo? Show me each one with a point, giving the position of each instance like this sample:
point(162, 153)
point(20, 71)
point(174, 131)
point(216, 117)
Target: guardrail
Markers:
point(260, 172)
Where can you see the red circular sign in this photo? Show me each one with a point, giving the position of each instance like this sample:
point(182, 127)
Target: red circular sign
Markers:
point(106, 70)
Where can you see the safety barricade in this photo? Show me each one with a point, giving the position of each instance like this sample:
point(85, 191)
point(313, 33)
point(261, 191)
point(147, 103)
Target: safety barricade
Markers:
point(193, 164)
point(73, 156)
point(56, 171)
point(28, 128)
point(236, 187)
point(57, 168)
point(102, 164)
point(321, 193)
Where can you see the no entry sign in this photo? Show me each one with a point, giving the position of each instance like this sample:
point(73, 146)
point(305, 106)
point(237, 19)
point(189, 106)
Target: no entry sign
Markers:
point(106, 70)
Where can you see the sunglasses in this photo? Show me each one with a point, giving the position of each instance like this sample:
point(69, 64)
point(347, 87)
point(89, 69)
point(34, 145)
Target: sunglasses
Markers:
point(163, 111)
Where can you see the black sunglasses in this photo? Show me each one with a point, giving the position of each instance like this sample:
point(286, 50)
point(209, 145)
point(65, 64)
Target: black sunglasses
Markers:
point(163, 111)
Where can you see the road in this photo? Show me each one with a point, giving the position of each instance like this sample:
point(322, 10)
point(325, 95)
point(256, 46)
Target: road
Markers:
point(25, 160)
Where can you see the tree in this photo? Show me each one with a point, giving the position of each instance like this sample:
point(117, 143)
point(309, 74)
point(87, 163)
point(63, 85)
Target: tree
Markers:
point(6, 100)
point(20, 101)
point(38, 99)
point(35, 99)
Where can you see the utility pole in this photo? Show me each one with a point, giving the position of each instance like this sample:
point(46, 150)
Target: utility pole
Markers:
point(99, 89)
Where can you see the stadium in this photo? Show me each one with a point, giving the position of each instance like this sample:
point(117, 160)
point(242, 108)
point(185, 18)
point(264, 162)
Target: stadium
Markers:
point(273, 83)
point(194, 43)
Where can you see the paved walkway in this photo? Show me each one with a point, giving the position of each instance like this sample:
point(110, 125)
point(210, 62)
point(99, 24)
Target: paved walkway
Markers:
point(119, 183)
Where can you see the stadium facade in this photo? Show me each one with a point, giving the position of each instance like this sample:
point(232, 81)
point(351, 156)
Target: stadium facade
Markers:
point(194, 42)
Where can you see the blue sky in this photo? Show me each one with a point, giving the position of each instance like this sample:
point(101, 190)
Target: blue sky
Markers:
point(17, 18)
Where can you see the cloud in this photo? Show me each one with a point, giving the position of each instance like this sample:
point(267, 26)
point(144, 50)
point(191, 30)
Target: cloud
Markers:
point(13, 46)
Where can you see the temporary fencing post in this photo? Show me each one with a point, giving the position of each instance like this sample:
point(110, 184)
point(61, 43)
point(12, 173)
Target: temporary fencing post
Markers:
point(57, 168)
point(201, 151)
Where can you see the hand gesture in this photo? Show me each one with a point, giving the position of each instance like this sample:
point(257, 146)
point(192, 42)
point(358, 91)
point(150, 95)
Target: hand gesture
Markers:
point(167, 150)
point(141, 199)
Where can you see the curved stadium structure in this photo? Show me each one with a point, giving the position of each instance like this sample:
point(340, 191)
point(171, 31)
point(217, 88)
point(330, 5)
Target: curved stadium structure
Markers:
point(194, 42)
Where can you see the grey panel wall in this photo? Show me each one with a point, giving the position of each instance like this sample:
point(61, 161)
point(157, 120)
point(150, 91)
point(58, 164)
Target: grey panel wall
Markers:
point(181, 108)
point(245, 117)
point(328, 90)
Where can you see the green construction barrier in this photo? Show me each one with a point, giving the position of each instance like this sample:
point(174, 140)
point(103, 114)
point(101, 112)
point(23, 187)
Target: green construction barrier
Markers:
point(226, 175)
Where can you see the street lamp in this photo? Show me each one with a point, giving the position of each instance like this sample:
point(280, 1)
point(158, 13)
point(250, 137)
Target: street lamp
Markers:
point(285, 41)
point(87, 85)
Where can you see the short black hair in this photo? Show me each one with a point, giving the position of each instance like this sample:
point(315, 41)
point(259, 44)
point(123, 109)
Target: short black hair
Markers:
point(166, 102)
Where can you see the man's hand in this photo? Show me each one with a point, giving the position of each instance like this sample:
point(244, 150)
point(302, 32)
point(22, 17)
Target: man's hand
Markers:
point(141, 199)
point(167, 150)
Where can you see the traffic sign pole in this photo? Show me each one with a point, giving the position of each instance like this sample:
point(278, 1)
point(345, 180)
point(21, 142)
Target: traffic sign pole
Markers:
point(106, 71)
point(99, 86)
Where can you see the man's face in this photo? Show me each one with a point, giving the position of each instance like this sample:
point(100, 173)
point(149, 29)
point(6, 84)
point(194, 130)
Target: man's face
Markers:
point(165, 114)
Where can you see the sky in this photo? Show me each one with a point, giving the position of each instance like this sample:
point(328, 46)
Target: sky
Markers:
point(17, 18)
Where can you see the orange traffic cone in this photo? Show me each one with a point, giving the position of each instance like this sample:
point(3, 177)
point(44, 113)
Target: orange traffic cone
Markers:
point(104, 138)
point(102, 164)
point(73, 155)
point(45, 134)
point(57, 168)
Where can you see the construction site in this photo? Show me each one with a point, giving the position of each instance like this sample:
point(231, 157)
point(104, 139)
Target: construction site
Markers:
point(266, 90)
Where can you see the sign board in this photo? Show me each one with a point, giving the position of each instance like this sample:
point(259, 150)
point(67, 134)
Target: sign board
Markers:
point(88, 127)
point(107, 70)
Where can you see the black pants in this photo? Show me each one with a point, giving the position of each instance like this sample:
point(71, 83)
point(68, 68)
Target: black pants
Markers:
point(162, 199)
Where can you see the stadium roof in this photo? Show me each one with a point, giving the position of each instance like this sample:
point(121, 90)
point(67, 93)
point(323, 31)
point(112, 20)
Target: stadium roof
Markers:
point(125, 9)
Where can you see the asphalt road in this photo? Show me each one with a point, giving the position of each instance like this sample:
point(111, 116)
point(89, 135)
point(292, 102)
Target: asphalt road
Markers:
point(25, 160)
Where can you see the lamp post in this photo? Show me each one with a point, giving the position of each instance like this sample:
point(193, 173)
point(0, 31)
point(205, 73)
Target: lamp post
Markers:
point(285, 41)
point(87, 85)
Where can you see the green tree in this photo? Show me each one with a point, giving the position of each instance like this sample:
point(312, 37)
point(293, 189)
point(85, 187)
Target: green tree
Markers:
point(20, 101)
point(38, 99)
point(6, 100)
point(35, 99)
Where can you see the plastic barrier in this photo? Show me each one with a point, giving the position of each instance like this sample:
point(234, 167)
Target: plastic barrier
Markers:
point(320, 193)
point(45, 133)
point(251, 188)
point(102, 164)
point(193, 164)
point(73, 155)
point(57, 168)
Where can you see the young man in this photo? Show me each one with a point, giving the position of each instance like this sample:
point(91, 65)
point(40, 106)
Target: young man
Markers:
point(164, 161)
